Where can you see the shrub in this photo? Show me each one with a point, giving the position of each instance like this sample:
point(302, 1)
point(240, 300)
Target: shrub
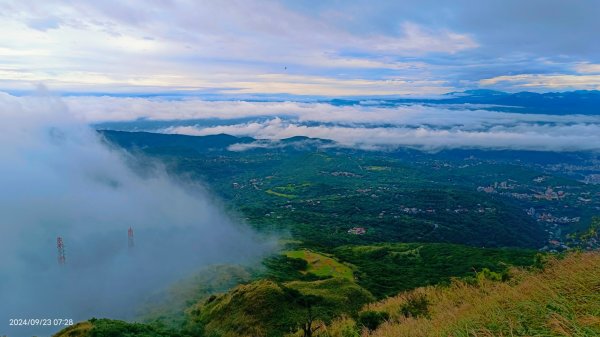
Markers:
point(540, 260)
point(372, 319)
point(486, 274)
point(416, 305)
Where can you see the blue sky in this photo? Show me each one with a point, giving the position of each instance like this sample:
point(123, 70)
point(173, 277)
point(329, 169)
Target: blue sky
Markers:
point(334, 48)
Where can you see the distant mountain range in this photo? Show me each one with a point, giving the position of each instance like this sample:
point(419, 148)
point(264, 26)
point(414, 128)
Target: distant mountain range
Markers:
point(586, 102)
point(181, 144)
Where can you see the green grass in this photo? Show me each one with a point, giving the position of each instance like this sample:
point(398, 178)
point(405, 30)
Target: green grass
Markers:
point(292, 187)
point(378, 168)
point(283, 195)
point(321, 265)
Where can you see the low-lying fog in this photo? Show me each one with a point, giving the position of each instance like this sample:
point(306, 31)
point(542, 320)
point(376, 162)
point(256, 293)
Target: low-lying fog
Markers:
point(57, 178)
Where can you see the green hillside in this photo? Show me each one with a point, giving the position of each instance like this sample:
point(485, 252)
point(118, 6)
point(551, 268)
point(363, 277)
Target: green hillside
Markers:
point(317, 194)
point(265, 308)
point(303, 285)
point(562, 300)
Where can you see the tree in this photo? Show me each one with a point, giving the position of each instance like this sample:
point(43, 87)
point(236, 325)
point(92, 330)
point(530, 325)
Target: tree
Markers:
point(308, 303)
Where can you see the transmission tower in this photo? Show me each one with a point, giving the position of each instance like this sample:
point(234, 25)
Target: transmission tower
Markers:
point(130, 242)
point(61, 250)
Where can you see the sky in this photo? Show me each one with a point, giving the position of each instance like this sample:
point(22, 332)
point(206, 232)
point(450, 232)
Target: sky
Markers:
point(329, 48)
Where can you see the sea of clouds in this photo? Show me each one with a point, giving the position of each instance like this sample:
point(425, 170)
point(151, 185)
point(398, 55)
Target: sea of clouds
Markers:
point(367, 126)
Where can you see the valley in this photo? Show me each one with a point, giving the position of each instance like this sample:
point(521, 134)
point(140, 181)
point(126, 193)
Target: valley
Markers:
point(360, 226)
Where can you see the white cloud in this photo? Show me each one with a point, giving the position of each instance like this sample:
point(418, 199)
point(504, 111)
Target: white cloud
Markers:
point(426, 127)
point(239, 46)
point(587, 68)
point(59, 179)
point(105, 108)
point(418, 40)
point(578, 137)
point(139, 46)
point(546, 81)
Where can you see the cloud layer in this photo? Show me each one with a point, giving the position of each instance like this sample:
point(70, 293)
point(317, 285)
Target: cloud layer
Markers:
point(368, 125)
point(314, 48)
point(520, 136)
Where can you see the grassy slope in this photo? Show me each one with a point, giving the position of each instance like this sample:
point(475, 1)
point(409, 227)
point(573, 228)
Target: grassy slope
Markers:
point(563, 300)
point(321, 265)
point(264, 308)
point(81, 329)
point(168, 307)
point(116, 328)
